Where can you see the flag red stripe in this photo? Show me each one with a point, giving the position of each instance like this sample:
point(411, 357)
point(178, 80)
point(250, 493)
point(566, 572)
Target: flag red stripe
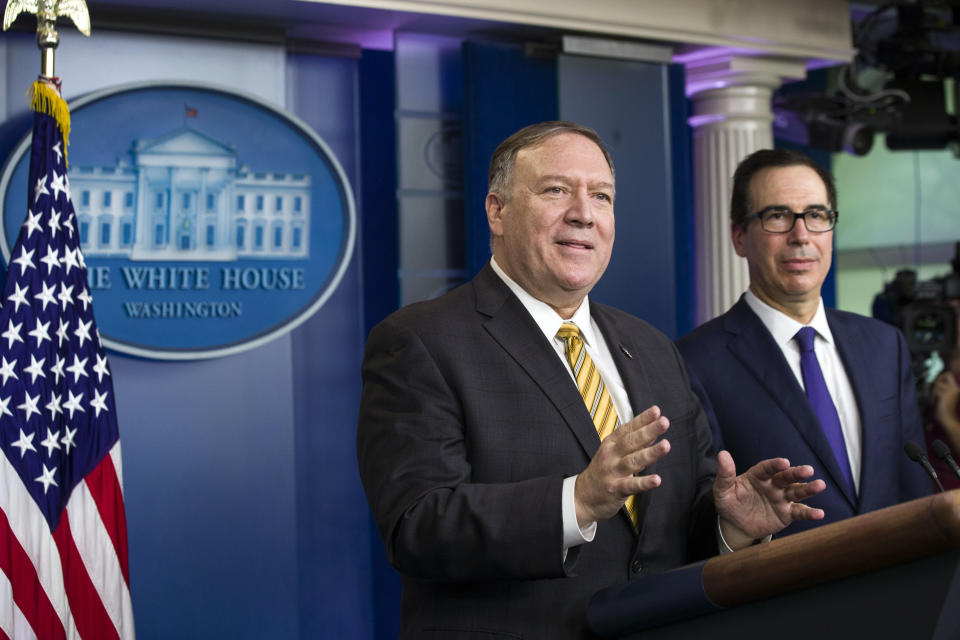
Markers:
point(3, 636)
point(28, 593)
point(104, 486)
point(89, 614)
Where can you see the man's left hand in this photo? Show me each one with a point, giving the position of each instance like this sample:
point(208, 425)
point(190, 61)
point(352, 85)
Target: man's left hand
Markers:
point(763, 500)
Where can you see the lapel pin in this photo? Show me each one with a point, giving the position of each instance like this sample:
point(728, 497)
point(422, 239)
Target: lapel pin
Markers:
point(626, 352)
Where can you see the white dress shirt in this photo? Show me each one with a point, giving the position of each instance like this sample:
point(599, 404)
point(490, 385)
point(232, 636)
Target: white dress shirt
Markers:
point(783, 328)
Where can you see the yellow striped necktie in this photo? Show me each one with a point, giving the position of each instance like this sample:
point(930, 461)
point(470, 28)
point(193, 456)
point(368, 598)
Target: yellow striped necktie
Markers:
point(593, 391)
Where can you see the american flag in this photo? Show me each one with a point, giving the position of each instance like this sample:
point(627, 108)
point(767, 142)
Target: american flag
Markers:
point(63, 534)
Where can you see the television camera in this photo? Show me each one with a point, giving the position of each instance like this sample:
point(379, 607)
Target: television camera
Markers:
point(906, 67)
point(926, 312)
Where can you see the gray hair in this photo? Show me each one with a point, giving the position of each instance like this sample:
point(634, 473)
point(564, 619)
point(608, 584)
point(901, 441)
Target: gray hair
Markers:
point(505, 155)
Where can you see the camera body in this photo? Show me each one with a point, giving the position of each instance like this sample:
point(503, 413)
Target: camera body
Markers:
point(926, 312)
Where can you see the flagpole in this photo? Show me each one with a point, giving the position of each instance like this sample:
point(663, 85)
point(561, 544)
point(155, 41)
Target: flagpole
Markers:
point(45, 92)
point(47, 36)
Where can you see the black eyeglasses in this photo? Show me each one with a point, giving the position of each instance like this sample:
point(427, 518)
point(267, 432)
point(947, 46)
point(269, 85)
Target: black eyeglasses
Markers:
point(782, 220)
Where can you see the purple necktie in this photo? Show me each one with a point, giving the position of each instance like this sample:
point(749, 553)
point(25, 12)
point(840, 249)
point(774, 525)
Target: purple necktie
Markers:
point(822, 403)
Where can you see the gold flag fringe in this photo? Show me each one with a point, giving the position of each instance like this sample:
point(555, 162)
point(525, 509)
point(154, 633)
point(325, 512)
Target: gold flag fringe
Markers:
point(45, 99)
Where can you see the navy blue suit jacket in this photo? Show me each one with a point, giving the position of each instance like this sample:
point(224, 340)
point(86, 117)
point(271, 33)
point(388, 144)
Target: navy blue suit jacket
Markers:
point(757, 409)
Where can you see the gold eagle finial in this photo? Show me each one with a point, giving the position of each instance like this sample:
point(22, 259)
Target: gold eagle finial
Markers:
point(47, 12)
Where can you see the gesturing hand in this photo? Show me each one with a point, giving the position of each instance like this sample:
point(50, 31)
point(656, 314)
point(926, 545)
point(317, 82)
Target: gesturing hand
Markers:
point(612, 475)
point(763, 500)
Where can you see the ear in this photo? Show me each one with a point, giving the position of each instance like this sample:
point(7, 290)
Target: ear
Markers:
point(494, 206)
point(737, 234)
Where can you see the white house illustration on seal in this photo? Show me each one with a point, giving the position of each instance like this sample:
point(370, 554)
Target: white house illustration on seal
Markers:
point(185, 198)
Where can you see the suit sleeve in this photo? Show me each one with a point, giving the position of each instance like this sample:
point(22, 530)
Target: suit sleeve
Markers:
point(914, 483)
point(703, 531)
point(707, 407)
point(412, 447)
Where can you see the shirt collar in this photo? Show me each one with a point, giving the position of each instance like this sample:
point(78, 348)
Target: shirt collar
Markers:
point(781, 326)
point(543, 314)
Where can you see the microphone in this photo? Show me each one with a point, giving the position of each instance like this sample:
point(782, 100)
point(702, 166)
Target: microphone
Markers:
point(915, 453)
point(943, 452)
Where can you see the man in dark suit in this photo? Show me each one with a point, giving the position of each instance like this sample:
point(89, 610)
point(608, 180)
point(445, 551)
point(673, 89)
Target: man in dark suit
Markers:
point(759, 384)
point(484, 468)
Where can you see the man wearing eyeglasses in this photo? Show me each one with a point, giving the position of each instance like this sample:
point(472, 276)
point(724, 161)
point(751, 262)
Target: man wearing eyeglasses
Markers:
point(780, 373)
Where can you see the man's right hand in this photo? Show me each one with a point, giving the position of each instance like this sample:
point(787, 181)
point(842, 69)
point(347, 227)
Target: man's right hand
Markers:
point(614, 473)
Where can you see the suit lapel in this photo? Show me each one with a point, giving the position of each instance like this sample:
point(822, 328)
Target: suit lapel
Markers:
point(752, 344)
point(628, 358)
point(850, 347)
point(512, 328)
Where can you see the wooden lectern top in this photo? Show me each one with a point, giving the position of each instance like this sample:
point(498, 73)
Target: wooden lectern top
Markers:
point(874, 540)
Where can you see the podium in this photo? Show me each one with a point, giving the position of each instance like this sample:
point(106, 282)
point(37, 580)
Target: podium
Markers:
point(891, 573)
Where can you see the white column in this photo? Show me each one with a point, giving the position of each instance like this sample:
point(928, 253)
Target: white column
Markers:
point(732, 117)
